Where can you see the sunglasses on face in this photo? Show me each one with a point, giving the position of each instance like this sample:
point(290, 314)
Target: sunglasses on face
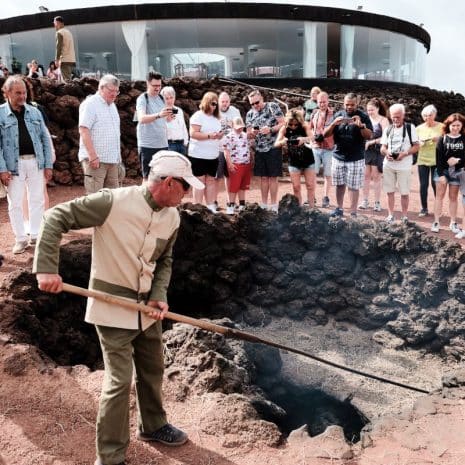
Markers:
point(255, 103)
point(214, 104)
point(185, 184)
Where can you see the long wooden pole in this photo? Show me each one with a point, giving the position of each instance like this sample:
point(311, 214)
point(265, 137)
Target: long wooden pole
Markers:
point(227, 332)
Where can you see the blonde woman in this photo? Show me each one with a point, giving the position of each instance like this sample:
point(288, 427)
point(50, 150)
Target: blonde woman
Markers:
point(294, 135)
point(204, 148)
point(428, 133)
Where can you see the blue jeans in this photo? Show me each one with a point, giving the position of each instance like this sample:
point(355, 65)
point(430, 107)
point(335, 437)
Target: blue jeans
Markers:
point(145, 157)
point(177, 147)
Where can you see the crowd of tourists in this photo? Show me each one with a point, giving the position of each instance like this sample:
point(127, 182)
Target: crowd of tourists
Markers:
point(367, 151)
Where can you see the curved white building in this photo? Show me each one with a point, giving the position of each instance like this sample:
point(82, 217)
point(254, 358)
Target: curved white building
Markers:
point(237, 40)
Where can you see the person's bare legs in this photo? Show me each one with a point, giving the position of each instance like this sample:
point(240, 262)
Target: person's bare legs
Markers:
point(210, 189)
point(199, 193)
point(273, 190)
point(404, 201)
point(353, 197)
point(295, 180)
point(310, 184)
point(264, 189)
point(391, 203)
point(440, 193)
point(340, 192)
point(453, 204)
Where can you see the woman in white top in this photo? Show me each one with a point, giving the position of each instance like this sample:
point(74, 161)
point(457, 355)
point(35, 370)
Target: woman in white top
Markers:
point(204, 147)
point(178, 137)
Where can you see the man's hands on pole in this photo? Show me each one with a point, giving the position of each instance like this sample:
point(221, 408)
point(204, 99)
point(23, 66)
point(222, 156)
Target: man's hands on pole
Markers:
point(49, 282)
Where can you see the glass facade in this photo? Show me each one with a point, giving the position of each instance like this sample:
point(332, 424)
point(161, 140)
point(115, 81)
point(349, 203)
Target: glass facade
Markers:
point(234, 48)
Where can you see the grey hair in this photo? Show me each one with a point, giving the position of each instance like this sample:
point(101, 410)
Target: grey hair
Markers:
point(429, 110)
point(397, 107)
point(168, 90)
point(108, 79)
point(11, 81)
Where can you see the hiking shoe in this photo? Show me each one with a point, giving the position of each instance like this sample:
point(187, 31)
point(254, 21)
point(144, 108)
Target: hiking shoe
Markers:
point(273, 207)
point(423, 212)
point(377, 207)
point(454, 227)
point(389, 219)
point(337, 213)
point(32, 241)
point(168, 435)
point(460, 235)
point(435, 227)
point(20, 247)
point(325, 202)
point(363, 205)
point(230, 210)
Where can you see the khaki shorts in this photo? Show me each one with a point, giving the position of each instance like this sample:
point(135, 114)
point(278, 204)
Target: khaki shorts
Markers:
point(393, 179)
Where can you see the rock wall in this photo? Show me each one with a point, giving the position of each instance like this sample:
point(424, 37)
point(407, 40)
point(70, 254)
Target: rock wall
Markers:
point(62, 101)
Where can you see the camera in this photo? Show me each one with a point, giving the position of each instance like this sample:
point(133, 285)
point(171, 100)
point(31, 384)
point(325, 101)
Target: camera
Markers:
point(174, 110)
point(293, 141)
point(319, 138)
point(256, 128)
point(395, 155)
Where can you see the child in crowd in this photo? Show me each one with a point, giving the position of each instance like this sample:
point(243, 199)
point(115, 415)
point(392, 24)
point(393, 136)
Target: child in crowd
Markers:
point(239, 161)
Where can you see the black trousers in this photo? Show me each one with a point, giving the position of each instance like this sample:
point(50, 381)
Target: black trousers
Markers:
point(425, 174)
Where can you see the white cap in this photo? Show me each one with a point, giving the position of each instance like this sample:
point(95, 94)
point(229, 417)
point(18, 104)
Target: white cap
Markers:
point(170, 163)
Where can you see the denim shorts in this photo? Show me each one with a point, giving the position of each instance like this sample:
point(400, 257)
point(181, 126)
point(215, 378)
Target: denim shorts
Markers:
point(294, 169)
point(450, 181)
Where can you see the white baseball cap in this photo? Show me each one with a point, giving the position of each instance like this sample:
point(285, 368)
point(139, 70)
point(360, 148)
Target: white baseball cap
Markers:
point(170, 163)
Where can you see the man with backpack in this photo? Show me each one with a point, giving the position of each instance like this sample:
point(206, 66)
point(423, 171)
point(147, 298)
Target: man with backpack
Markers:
point(151, 123)
point(399, 143)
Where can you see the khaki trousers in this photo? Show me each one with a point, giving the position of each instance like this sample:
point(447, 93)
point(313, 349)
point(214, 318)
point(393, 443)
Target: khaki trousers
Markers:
point(67, 70)
point(106, 175)
point(122, 350)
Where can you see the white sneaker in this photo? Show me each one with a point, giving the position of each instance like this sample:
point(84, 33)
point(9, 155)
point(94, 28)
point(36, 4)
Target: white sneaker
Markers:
point(241, 207)
point(363, 205)
point(264, 206)
point(454, 227)
point(460, 235)
point(404, 219)
point(377, 207)
point(273, 207)
point(389, 219)
point(230, 210)
point(20, 247)
point(435, 227)
point(212, 208)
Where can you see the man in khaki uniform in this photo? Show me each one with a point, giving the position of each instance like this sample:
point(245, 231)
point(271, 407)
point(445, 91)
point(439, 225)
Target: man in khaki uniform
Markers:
point(65, 57)
point(134, 232)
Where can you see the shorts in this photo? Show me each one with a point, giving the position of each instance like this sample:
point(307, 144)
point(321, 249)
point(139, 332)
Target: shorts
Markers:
point(294, 169)
point(374, 158)
point(323, 157)
point(269, 164)
point(239, 180)
point(145, 157)
point(203, 167)
point(450, 181)
point(348, 173)
point(222, 170)
point(396, 178)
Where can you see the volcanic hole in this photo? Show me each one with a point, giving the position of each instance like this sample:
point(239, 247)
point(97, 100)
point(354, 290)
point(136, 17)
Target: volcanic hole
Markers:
point(258, 268)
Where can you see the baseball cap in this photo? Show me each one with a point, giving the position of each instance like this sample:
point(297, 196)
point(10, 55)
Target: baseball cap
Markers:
point(238, 123)
point(170, 163)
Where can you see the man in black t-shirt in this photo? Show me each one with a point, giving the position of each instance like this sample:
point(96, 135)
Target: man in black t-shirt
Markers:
point(350, 128)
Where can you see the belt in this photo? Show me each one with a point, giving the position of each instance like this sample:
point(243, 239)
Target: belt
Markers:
point(177, 141)
point(27, 157)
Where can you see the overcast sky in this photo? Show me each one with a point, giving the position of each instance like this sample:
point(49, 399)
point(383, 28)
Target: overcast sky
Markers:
point(445, 22)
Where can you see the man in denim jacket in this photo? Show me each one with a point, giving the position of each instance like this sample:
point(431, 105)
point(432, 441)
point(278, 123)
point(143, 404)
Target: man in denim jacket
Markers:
point(25, 158)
